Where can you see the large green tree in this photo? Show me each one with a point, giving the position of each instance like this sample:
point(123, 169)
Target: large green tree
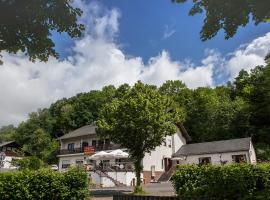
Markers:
point(138, 121)
point(229, 15)
point(27, 25)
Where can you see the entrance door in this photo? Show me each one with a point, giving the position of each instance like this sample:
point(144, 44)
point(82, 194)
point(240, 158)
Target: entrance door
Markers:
point(167, 164)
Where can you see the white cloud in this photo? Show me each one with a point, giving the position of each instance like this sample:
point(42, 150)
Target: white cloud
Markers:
point(168, 32)
point(96, 61)
point(248, 56)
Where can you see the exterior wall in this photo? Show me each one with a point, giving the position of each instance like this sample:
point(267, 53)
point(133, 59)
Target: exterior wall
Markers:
point(178, 141)
point(252, 154)
point(7, 162)
point(123, 177)
point(78, 141)
point(72, 159)
point(155, 158)
point(215, 158)
point(147, 176)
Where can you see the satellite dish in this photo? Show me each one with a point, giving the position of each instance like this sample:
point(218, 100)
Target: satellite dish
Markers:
point(121, 166)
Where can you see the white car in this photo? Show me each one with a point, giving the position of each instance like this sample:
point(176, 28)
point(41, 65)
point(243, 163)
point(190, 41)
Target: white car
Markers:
point(54, 167)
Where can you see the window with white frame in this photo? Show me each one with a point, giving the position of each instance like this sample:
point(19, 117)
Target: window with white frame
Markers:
point(204, 160)
point(65, 164)
point(241, 158)
point(79, 162)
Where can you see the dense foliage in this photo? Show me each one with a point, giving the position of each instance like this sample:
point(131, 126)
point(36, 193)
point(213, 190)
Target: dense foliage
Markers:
point(238, 181)
point(44, 184)
point(229, 15)
point(139, 120)
point(27, 26)
point(239, 109)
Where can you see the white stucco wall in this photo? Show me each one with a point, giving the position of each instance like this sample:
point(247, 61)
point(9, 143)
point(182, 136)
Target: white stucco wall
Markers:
point(215, 158)
point(252, 154)
point(72, 159)
point(7, 162)
point(123, 177)
point(155, 158)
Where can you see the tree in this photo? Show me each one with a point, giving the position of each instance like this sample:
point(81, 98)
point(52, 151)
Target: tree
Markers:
point(228, 15)
point(138, 121)
point(27, 26)
point(7, 133)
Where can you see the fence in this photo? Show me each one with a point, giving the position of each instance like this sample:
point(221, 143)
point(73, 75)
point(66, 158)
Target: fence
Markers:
point(144, 197)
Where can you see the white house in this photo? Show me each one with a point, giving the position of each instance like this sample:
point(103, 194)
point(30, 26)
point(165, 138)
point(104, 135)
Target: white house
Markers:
point(217, 152)
point(83, 147)
point(8, 153)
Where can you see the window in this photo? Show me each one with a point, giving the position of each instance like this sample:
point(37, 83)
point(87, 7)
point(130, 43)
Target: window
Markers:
point(84, 144)
point(94, 143)
point(79, 162)
point(100, 144)
point(65, 164)
point(204, 160)
point(162, 164)
point(71, 146)
point(239, 158)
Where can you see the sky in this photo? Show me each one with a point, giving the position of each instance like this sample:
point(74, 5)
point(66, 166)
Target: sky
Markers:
point(126, 41)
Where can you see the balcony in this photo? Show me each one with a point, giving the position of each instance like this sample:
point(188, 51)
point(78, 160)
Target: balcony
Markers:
point(81, 149)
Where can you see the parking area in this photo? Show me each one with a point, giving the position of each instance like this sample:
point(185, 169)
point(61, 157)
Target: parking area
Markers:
point(155, 189)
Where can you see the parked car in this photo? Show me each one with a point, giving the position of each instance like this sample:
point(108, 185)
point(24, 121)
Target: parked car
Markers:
point(54, 167)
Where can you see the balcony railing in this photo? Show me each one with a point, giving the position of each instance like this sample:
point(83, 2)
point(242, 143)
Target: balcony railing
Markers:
point(81, 149)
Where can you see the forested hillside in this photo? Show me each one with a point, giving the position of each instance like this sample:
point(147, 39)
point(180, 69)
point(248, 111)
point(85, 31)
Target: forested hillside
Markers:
point(239, 109)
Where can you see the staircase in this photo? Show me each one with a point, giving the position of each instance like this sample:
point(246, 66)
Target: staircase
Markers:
point(166, 176)
point(104, 174)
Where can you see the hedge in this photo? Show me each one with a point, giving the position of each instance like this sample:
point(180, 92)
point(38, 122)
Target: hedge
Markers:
point(228, 182)
point(44, 184)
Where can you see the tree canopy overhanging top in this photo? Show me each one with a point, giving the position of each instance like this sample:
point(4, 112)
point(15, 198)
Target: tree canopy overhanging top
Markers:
point(228, 15)
point(26, 26)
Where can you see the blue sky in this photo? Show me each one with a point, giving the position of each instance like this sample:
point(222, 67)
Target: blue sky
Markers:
point(126, 41)
point(143, 24)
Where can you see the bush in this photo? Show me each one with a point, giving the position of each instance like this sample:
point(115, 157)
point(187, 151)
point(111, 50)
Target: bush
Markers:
point(236, 182)
point(44, 184)
point(30, 162)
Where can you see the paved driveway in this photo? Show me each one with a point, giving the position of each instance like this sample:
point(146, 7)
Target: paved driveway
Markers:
point(156, 189)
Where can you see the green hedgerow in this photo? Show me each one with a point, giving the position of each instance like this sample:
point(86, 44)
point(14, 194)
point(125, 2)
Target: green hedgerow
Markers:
point(44, 184)
point(236, 181)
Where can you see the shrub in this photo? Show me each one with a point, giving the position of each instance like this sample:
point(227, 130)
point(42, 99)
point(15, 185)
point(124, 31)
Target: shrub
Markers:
point(236, 182)
point(44, 184)
point(30, 162)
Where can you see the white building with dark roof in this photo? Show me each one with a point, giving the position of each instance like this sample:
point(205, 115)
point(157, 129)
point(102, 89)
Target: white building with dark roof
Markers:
point(82, 146)
point(217, 152)
point(9, 152)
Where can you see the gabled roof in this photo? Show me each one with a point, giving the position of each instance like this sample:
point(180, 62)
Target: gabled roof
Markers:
point(184, 132)
point(2, 144)
point(222, 146)
point(85, 130)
